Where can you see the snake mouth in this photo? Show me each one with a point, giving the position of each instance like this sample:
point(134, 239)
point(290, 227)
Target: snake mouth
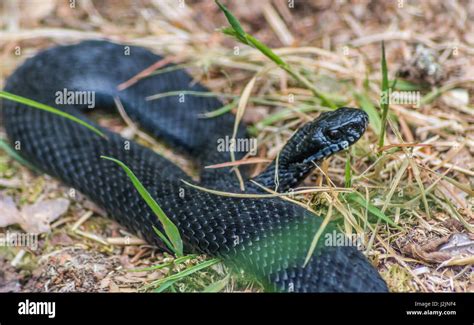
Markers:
point(327, 151)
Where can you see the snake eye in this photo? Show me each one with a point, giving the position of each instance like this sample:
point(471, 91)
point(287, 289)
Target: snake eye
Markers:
point(333, 134)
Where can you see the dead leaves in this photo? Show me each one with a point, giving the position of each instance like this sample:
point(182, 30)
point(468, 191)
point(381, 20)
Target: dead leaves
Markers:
point(456, 249)
point(8, 211)
point(73, 269)
point(32, 218)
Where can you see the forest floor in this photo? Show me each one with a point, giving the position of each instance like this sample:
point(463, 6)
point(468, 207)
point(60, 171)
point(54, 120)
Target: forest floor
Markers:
point(421, 178)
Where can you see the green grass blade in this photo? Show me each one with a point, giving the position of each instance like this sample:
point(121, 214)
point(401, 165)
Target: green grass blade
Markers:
point(165, 283)
point(165, 240)
point(368, 107)
point(164, 286)
point(233, 21)
point(218, 285)
point(265, 50)
point(220, 111)
point(11, 152)
point(404, 85)
point(283, 114)
point(229, 31)
point(237, 31)
point(35, 104)
point(171, 231)
point(385, 98)
point(348, 172)
point(357, 198)
point(192, 269)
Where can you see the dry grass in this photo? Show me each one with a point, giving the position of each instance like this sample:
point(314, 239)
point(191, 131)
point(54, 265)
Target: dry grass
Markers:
point(422, 178)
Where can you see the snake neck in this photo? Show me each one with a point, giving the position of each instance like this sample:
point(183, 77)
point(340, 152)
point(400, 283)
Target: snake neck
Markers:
point(290, 167)
point(280, 177)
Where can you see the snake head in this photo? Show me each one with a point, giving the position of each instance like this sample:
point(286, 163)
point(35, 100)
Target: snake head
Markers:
point(331, 132)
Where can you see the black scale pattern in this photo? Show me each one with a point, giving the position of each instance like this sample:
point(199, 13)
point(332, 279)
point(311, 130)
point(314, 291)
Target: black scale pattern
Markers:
point(268, 238)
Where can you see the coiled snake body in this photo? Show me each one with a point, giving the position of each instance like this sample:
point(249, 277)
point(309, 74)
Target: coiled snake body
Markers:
point(269, 238)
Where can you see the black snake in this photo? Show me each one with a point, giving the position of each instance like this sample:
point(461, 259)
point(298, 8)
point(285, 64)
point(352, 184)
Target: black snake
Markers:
point(268, 238)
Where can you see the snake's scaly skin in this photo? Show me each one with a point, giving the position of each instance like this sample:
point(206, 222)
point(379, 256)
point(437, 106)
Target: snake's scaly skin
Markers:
point(267, 237)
